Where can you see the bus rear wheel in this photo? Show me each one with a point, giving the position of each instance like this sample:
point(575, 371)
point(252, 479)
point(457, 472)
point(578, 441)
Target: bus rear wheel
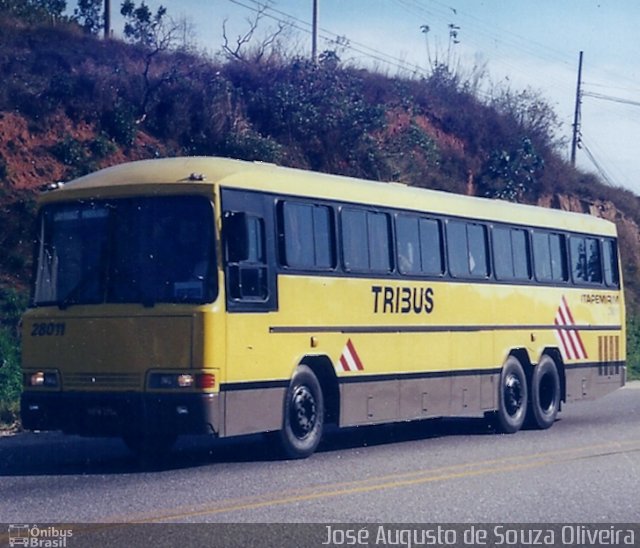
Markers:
point(545, 394)
point(512, 397)
point(303, 415)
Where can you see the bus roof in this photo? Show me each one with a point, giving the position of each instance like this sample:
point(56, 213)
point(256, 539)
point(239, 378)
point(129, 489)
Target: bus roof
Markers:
point(297, 182)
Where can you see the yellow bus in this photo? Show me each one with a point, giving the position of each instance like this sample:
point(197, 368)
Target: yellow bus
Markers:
point(209, 295)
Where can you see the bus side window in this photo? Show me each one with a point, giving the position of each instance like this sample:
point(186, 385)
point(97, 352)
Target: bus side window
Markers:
point(419, 246)
point(366, 241)
point(307, 236)
point(558, 255)
point(468, 253)
point(593, 260)
point(585, 260)
point(408, 244)
point(610, 259)
point(245, 253)
point(550, 257)
point(511, 254)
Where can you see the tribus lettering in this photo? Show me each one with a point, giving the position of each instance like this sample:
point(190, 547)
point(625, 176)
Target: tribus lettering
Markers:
point(402, 300)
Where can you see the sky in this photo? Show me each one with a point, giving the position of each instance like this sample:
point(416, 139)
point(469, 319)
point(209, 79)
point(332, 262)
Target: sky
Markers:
point(523, 44)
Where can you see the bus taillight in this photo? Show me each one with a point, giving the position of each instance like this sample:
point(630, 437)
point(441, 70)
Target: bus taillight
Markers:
point(206, 380)
point(181, 380)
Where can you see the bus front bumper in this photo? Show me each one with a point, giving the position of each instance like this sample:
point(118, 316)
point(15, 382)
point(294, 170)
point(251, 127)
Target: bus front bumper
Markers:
point(118, 414)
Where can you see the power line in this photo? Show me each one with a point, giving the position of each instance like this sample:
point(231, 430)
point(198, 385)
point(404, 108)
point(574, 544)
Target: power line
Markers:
point(610, 98)
point(617, 172)
point(599, 168)
point(504, 41)
point(436, 10)
point(328, 36)
point(609, 86)
point(505, 36)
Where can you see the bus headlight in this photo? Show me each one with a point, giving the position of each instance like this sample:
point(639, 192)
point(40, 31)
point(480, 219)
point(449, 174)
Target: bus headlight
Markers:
point(44, 379)
point(186, 380)
point(169, 380)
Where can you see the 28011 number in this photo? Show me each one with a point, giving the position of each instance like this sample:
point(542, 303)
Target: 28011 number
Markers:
point(48, 329)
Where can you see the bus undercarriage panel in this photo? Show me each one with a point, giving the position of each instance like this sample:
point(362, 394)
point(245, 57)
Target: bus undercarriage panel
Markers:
point(397, 399)
point(594, 380)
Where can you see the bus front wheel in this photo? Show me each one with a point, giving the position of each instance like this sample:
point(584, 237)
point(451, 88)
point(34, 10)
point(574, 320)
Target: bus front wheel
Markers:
point(303, 415)
point(545, 394)
point(512, 397)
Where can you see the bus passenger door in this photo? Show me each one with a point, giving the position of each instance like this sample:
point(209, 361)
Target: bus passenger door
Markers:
point(252, 400)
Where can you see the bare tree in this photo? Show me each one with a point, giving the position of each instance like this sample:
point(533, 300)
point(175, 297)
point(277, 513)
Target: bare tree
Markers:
point(438, 58)
point(156, 34)
point(242, 49)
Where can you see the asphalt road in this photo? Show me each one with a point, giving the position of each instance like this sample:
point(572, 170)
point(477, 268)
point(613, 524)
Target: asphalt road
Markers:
point(586, 468)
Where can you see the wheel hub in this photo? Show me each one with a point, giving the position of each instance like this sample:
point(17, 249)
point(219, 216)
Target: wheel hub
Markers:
point(303, 412)
point(512, 394)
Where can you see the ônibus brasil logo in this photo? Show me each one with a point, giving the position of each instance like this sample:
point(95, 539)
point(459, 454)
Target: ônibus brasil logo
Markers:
point(33, 536)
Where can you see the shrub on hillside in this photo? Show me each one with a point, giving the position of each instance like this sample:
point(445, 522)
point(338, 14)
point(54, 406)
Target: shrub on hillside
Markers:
point(82, 157)
point(12, 305)
point(17, 211)
point(10, 378)
point(251, 146)
point(633, 347)
point(34, 11)
point(120, 123)
point(320, 109)
point(512, 175)
point(4, 169)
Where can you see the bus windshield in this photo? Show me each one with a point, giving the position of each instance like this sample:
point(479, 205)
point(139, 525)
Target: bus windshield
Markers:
point(131, 250)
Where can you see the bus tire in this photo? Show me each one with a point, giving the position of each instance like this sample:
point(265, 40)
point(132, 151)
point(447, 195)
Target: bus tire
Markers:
point(512, 397)
point(303, 415)
point(544, 402)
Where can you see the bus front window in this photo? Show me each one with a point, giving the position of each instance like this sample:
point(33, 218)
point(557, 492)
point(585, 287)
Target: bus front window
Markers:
point(142, 250)
point(72, 255)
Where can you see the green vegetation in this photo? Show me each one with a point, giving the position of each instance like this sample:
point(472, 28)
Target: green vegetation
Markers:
point(88, 14)
point(87, 103)
point(12, 304)
point(82, 157)
point(633, 347)
point(10, 380)
point(34, 11)
point(511, 175)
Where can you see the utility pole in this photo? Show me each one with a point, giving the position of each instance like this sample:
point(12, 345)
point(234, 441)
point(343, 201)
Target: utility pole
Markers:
point(107, 19)
point(576, 115)
point(314, 33)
